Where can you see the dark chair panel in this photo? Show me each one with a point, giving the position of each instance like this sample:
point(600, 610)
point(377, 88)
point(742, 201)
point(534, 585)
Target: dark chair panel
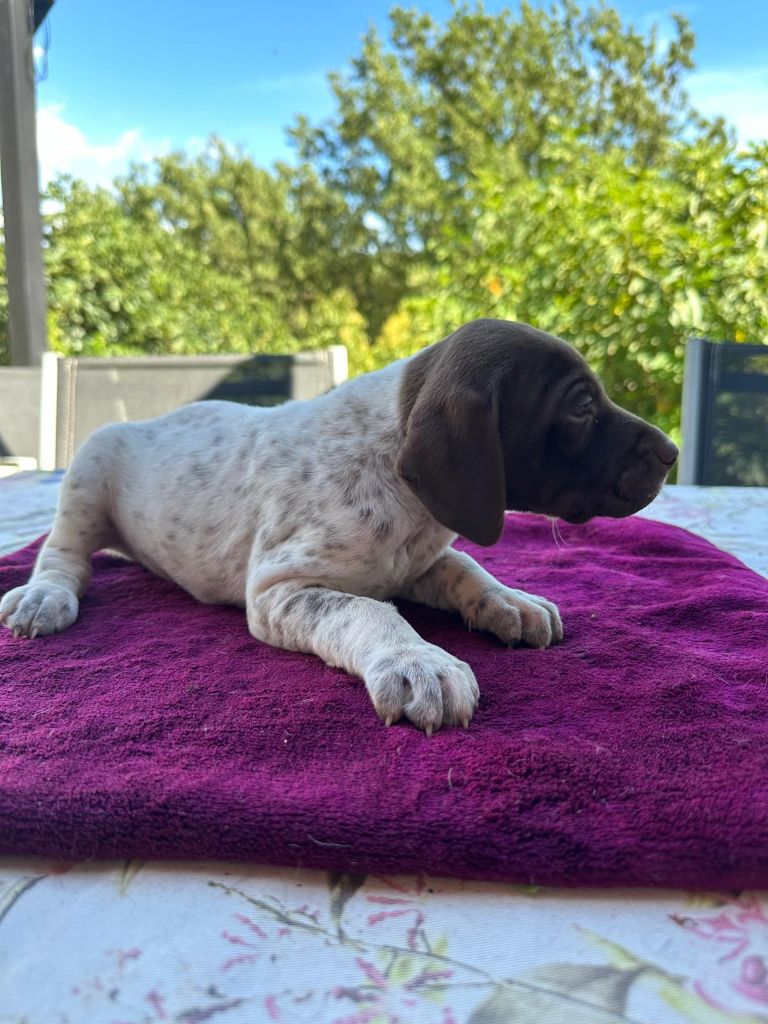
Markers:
point(725, 414)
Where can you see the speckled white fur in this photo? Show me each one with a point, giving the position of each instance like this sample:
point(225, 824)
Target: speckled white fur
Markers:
point(297, 514)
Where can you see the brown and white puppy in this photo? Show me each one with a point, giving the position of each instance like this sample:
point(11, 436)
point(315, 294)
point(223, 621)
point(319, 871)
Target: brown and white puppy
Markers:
point(314, 514)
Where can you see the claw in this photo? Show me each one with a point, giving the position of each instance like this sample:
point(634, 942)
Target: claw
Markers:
point(388, 720)
point(428, 730)
point(465, 723)
point(17, 631)
point(34, 633)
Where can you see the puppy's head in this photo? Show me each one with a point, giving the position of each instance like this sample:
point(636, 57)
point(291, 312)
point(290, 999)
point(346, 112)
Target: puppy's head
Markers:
point(502, 416)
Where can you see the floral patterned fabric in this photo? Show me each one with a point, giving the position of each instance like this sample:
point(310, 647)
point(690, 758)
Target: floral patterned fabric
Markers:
point(139, 943)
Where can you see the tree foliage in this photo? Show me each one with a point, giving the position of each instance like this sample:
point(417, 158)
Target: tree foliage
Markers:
point(424, 126)
point(625, 262)
point(200, 255)
point(542, 165)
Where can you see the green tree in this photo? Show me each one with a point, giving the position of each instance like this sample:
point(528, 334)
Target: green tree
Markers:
point(547, 166)
point(424, 124)
point(625, 262)
point(202, 255)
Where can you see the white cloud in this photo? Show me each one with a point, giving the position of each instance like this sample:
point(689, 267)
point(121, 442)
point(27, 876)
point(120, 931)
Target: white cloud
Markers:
point(740, 95)
point(290, 83)
point(63, 148)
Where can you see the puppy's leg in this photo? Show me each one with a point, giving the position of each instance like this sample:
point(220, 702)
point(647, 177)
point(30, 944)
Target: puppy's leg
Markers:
point(49, 602)
point(404, 675)
point(455, 582)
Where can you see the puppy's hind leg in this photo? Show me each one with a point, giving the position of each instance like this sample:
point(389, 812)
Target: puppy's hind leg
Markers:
point(49, 602)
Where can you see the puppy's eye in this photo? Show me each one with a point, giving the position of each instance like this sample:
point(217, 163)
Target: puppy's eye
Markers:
point(583, 406)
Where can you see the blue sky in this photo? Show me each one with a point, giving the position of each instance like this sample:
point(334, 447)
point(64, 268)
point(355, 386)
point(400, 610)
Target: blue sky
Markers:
point(127, 80)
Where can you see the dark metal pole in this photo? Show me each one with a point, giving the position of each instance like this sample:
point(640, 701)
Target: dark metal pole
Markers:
point(21, 198)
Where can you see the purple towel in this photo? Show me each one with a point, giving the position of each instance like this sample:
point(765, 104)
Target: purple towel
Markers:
point(635, 753)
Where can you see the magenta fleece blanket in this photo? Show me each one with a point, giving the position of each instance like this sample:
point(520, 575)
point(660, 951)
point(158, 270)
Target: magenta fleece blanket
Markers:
point(634, 753)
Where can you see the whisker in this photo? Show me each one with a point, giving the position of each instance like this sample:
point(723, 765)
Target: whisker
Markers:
point(557, 536)
point(555, 531)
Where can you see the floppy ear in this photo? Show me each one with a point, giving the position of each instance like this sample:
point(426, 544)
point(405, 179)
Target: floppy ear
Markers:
point(451, 458)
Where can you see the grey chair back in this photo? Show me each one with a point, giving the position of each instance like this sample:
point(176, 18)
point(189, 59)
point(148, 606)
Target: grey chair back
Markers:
point(80, 395)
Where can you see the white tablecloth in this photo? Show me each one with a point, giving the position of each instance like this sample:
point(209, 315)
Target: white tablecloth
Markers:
point(139, 943)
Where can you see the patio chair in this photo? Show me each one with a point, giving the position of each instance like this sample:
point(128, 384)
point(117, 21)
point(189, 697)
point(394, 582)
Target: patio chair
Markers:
point(725, 414)
point(80, 395)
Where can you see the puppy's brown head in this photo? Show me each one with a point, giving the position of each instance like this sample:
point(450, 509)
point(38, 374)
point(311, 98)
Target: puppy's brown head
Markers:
point(502, 416)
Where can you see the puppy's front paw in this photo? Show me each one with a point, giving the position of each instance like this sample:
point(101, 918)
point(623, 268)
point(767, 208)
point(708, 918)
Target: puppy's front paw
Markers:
point(424, 683)
point(38, 608)
point(516, 617)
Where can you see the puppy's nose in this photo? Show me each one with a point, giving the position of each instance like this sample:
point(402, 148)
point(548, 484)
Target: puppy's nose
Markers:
point(665, 451)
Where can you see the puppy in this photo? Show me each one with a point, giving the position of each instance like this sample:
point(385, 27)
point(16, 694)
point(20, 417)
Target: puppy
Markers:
point(314, 515)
